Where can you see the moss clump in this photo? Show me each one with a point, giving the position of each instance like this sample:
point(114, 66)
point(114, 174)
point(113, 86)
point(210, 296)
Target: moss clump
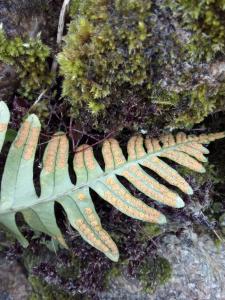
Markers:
point(206, 19)
point(155, 273)
point(105, 51)
point(199, 106)
point(29, 57)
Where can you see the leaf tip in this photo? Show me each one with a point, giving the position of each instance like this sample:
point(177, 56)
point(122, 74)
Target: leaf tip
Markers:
point(22, 240)
point(190, 191)
point(179, 202)
point(34, 120)
point(162, 220)
point(202, 170)
point(114, 257)
point(205, 159)
point(206, 151)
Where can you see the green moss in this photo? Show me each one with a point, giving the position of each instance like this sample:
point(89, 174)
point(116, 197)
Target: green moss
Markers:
point(192, 106)
point(29, 57)
point(43, 291)
point(116, 56)
point(154, 273)
point(150, 231)
point(105, 50)
point(74, 6)
point(164, 99)
point(41, 109)
point(114, 272)
point(206, 20)
point(201, 102)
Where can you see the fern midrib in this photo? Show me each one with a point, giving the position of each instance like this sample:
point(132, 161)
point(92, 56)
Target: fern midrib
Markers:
point(91, 182)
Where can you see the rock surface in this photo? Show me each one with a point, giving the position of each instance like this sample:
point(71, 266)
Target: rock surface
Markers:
point(198, 272)
point(14, 285)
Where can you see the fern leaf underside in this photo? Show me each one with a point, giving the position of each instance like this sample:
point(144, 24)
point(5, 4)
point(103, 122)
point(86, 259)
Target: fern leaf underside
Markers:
point(18, 192)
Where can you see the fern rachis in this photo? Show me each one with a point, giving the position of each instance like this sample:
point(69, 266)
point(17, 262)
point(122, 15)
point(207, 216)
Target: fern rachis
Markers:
point(18, 192)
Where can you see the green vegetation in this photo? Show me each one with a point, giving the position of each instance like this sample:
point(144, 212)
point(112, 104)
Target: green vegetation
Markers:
point(206, 19)
point(155, 272)
point(200, 105)
point(105, 51)
point(191, 107)
point(150, 231)
point(201, 102)
point(42, 290)
point(29, 57)
point(110, 63)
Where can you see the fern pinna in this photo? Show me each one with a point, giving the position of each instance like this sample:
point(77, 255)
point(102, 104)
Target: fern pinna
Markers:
point(18, 191)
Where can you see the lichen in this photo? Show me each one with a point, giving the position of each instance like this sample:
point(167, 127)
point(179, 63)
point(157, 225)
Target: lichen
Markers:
point(29, 57)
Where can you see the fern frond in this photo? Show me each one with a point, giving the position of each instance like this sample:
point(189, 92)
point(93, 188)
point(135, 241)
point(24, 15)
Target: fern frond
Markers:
point(18, 191)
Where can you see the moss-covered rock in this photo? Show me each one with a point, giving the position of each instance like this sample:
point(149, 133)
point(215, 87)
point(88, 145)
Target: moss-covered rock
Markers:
point(127, 64)
point(112, 62)
point(206, 20)
point(106, 49)
point(33, 24)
